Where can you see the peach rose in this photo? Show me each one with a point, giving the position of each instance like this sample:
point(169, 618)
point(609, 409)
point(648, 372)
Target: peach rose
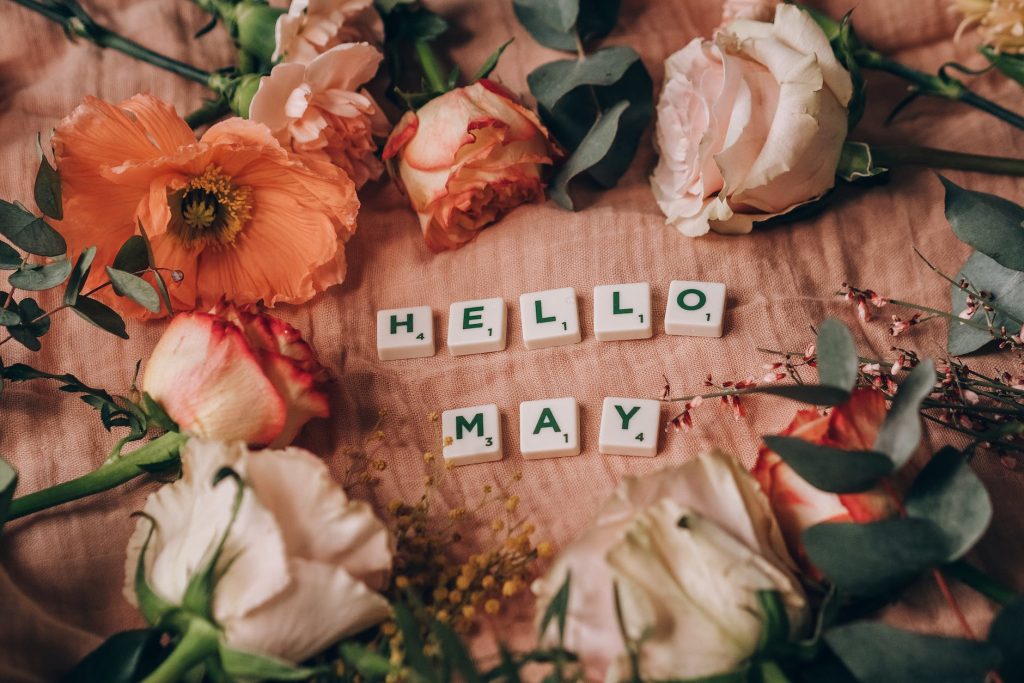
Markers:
point(466, 158)
point(799, 505)
point(755, 10)
point(233, 374)
point(312, 27)
point(750, 125)
point(320, 111)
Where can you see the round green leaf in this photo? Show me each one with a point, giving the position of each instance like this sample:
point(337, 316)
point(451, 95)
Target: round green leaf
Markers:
point(550, 82)
point(594, 147)
point(992, 225)
point(133, 256)
point(100, 315)
point(837, 355)
point(135, 288)
point(1005, 634)
point(1007, 289)
point(79, 275)
point(10, 259)
point(831, 469)
point(900, 434)
point(29, 233)
point(47, 189)
point(39, 278)
point(550, 22)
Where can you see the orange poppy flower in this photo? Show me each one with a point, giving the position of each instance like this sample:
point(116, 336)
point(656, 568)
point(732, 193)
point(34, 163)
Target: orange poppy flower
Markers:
point(236, 213)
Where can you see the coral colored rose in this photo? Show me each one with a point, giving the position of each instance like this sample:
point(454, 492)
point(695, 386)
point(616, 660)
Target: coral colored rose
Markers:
point(233, 374)
point(799, 505)
point(755, 10)
point(750, 125)
point(312, 27)
point(689, 548)
point(466, 158)
point(240, 216)
point(320, 112)
point(301, 564)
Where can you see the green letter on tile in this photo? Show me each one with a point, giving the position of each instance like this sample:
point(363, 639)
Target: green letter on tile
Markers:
point(626, 417)
point(546, 421)
point(476, 423)
point(471, 316)
point(616, 307)
point(681, 299)
point(540, 313)
point(407, 323)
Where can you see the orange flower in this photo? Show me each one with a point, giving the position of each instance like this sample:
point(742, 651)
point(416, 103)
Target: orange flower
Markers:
point(466, 158)
point(236, 213)
point(799, 505)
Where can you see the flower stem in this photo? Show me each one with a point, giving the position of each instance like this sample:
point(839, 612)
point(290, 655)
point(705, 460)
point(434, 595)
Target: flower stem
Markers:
point(211, 111)
point(198, 642)
point(770, 672)
point(980, 581)
point(931, 157)
point(76, 22)
point(160, 451)
point(431, 67)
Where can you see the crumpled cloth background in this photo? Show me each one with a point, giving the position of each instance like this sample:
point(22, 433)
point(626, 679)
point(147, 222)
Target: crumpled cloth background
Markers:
point(61, 572)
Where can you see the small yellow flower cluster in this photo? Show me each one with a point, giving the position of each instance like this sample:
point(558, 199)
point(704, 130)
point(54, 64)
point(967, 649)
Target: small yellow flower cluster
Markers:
point(363, 466)
point(1000, 23)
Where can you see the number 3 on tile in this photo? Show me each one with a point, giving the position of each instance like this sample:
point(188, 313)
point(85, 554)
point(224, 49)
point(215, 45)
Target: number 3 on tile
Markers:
point(489, 441)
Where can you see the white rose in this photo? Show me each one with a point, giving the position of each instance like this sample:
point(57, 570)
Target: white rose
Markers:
point(301, 565)
point(689, 548)
point(750, 125)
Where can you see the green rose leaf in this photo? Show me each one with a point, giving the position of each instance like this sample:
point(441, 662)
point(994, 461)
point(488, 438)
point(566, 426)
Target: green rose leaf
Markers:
point(592, 150)
point(811, 394)
point(857, 162)
point(949, 494)
point(28, 232)
point(1007, 289)
point(79, 275)
point(8, 482)
point(10, 259)
point(124, 657)
point(1005, 634)
point(100, 315)
point(1011, 66)
point(837, 355)
point(252, 666)
point(831, 469)
point(135, 288)
point(47, 186)
point(992, 225)
point(900, 434)
point(35, 278)
point(877, 653)
point(133, 256)
point(866, 560)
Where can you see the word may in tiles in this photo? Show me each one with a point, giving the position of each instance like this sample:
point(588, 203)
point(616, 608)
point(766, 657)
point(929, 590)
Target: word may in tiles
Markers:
point(550, 318)
point(550, 428)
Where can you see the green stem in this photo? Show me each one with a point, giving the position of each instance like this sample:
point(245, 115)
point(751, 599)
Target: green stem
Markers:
point(980, 581)
point(909, 155)
point(212, 110)
point(772, 672)
point(198, 642)
point(431, 67)
point(160, 451)
point(76, 23)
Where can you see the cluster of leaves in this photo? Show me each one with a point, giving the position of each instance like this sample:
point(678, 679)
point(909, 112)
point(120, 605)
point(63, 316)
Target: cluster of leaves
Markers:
point(24, 319)
point(596, 105)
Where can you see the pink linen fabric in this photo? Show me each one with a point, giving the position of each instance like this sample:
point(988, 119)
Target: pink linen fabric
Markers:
point(60, 572)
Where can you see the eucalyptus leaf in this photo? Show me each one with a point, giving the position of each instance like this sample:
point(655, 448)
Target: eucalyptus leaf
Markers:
point(550, 82)
point(812, 394)
point(857, 162)
point(992, 225)
point(949, 494)
point(10, 259)
point(556, 23)
point(1005, 634)
point(133, 256)
point(8, 482)
point(878, 653)
point(252, 666)
point(161, 287)
point(831, 469)
point(837, 355)
point(35, 323)
point(9, 317)
point(135, 288)
point(900, 434)
point(36, 278)
point(1007, 289)
point(47, 187)
point(28, 232)
point(125, 657)
point(595, 146)
point(100, 315)
point(79, 275)
point(872, 559)
point(488, 66)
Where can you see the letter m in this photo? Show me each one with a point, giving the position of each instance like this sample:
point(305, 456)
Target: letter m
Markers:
point(476, 423)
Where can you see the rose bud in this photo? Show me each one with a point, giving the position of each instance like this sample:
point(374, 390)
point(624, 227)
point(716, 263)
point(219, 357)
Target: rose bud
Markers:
point(689, 549)
point(292, 565)
point(799, 505)
point(233, 374)
point(466, 158)
point(751, 125)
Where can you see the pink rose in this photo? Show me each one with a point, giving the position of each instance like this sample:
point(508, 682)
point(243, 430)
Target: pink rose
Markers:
point(466, 158)
point(312, 27)
point(750, 125)
point(234, 374)
point(319, 110)
point(755, 10)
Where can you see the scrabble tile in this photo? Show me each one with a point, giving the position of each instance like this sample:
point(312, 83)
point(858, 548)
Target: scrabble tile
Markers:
point(475, 435)
point(549, 428)
point(695, 309)
point(476, 326)
point(622, 312)
point(629, 426)
point(405, 333)
point(550, 318)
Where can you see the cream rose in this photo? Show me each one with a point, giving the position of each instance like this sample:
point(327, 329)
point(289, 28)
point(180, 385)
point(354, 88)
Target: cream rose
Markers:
point(234, 374)
point(466, 158)
point(750, 125)
point(312, 27)
point(300, 566)
point(321, 112)
point(689, 548)
point(757, 10)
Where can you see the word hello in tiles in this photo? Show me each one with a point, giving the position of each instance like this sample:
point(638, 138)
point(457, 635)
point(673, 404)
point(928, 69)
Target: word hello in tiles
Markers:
point(550, 318)
point(550, 428)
